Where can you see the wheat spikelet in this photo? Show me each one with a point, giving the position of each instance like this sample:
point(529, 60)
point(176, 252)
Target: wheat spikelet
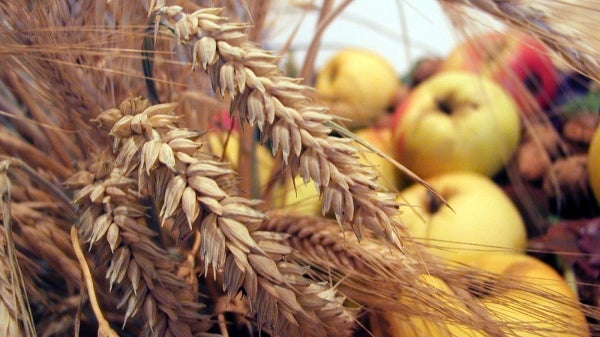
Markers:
point(358, 267)
point(567, 27)
point(283, 111)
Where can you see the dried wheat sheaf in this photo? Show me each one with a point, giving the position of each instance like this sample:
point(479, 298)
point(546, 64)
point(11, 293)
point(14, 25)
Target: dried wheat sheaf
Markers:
point(118, 219)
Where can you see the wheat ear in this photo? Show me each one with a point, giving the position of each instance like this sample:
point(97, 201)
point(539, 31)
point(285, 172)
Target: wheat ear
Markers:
point(114, 223)
point(195, 192)
point(282, 109)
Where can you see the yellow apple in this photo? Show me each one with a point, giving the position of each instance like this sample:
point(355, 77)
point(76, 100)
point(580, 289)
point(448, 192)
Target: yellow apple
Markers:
point(523, 295)
point(228, 147)
point(358, 84)
point(455, 121)
point(482, 218)
point(392, 323)
point(542, 303)
point(381, 138)
point(594, 165)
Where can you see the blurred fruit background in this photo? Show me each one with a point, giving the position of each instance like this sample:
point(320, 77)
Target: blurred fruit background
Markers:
point(545, 142)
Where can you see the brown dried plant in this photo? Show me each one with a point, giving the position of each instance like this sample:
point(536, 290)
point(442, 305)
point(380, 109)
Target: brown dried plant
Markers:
point(121, 219)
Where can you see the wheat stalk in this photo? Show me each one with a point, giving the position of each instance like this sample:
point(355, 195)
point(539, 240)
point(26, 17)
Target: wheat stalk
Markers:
point(567, 27)
point(357, 267)
point(39, 215)
point(9, 307)
point(285, 114)
point(16, 307)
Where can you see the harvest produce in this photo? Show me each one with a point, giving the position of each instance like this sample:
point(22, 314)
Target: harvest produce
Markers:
point(456, 121)
point(518, 62)
point(593, 164)
point(358, 84)
point(165, 171)
point(480, 216)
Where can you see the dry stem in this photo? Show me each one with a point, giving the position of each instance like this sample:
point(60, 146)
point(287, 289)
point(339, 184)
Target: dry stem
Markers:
point(565, 26)
point(104, 328)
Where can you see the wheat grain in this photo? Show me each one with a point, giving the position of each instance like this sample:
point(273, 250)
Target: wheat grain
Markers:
point(283, 111)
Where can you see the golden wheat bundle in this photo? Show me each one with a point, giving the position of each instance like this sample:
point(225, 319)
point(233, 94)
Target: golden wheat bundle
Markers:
point(119, 218)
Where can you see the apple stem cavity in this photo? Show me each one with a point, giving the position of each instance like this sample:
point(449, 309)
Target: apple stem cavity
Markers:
point(444, 106)
point(333, 74)
point(433, 203)
point(533, 83)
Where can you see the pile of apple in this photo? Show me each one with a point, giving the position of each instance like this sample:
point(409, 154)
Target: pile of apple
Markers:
point(466, 124)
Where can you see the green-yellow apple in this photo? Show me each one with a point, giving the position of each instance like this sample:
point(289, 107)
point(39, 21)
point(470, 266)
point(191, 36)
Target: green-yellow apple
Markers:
point(519, 62)
point(541, 303)
point(357, 84)
point(456, 121)
point(481, 218)
point(523, 295)
point(594, 164)
point(390, 177)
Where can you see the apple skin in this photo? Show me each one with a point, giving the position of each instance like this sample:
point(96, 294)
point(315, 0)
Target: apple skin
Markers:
point(519, 62)
point(552, 300)
point(482, 218)
point(390, 177)
point(480, 133)
point(358, 85)
point(389, 323)
point(542, 304)
point(594, 165)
